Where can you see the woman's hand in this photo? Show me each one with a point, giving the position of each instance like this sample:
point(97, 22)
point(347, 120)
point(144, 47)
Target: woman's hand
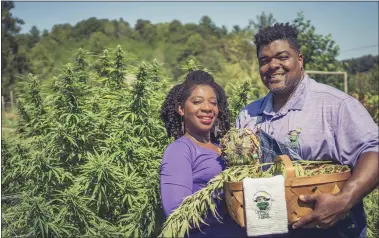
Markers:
point(329, 208)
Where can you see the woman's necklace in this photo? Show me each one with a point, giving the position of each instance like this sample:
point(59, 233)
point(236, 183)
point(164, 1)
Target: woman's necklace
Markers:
point(194, 139)
point(207, 145)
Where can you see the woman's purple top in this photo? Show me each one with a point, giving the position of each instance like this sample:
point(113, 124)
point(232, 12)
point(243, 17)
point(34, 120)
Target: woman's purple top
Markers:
point(186, 168)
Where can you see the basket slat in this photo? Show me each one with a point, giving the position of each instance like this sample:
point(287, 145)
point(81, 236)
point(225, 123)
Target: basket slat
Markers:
point(239, 197)
point(318, 179)
point(235, 207)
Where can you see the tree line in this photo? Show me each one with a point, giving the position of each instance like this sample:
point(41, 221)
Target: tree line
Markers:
point(227, 54)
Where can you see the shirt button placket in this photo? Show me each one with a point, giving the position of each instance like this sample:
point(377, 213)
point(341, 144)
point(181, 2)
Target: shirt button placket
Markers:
point(271, 127)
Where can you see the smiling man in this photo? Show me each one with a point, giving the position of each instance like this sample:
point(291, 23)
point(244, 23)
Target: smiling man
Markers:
point(318, 122)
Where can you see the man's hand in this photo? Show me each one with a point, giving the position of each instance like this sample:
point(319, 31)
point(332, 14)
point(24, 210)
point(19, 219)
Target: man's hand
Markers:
point(329, 208)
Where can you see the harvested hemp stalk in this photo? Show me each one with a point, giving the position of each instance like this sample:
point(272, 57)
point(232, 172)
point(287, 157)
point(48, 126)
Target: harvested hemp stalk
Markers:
point(241, 151)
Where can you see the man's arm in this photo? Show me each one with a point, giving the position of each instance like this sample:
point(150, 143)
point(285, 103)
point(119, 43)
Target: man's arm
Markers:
point(356, 139)
point(332, 207)
point(363, 180)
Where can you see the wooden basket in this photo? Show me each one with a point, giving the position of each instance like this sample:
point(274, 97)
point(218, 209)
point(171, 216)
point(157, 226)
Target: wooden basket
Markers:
point(294, 186)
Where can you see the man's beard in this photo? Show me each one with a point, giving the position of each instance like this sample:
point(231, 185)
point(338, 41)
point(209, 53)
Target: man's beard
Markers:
point(278, 89)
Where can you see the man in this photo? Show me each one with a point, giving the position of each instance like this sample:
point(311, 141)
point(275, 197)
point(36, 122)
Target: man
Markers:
point(319, 123)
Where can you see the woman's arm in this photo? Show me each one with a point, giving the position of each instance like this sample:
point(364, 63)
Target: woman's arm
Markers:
point(177, 182)
point(175, 176)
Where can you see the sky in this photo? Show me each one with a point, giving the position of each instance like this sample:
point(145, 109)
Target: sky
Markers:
point(352, 25)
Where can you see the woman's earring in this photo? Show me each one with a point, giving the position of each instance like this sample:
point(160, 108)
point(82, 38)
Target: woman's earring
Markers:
point(215, 131)
point(182, 122)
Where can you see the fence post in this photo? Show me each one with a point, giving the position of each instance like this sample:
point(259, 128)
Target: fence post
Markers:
point(345, 81)
point(332, 72)
point(2, 103)
point(12, 102)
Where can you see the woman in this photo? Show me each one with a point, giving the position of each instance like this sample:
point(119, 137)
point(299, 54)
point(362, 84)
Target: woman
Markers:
point(195, 113)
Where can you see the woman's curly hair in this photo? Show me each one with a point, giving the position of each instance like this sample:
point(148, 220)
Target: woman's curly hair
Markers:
point(180, 93)
point(279, 31)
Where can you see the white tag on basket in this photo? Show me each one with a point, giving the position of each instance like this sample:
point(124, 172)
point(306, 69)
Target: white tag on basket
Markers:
point(265, 206)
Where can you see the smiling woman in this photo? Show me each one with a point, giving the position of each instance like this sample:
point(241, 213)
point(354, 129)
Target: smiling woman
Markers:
point(200, 112)
point(195, 113)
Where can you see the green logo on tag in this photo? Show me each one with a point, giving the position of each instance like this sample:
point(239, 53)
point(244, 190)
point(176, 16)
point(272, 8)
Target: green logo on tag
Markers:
point(293, 136)
point(262, 204)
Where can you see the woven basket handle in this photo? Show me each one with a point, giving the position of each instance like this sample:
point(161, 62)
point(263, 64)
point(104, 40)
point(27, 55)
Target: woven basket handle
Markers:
point(287, 164)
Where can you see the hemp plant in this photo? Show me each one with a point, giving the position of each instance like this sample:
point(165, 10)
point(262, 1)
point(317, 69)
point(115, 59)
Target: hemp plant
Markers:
point(240, 95)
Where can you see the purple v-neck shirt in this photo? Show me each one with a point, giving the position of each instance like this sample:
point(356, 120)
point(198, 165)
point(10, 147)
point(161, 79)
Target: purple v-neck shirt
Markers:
point(186, 168)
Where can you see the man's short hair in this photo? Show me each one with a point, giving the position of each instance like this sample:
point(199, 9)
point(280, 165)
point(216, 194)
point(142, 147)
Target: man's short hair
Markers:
point(279, 31)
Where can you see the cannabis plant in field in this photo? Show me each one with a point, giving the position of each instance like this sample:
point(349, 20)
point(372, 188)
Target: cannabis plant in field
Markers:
point(371, 208)
point(31, 108)
point(85, 160)
point(240, 95)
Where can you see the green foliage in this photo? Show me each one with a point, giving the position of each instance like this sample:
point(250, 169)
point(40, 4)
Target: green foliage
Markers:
point(370, 102)
point(364, 87)
point(34, 37)
point(86, 157)
point(86, 154)
point(262, 21)
point(319, 52)
point(361, 64)
point(13, 55)
point(227, 55)
point(241, 94)
point(371, 208)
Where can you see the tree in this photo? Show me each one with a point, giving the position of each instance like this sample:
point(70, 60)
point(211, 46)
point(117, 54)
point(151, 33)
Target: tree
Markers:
point(193, 47)
point(34, 37)
point(85, 28)
point(236, 29)
point(175, 26)
point(224, 30)
point(42, 62)
point(320, 52)
point(96, 42)
point(109, 28)
point(176, 33)
point(262, 21)
point(62, 32)
point(13, 62)
point(122, 28)
point(145, 30)
point(207, 26)
point(360, 64)
point(45, 32)
point(207, 22)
